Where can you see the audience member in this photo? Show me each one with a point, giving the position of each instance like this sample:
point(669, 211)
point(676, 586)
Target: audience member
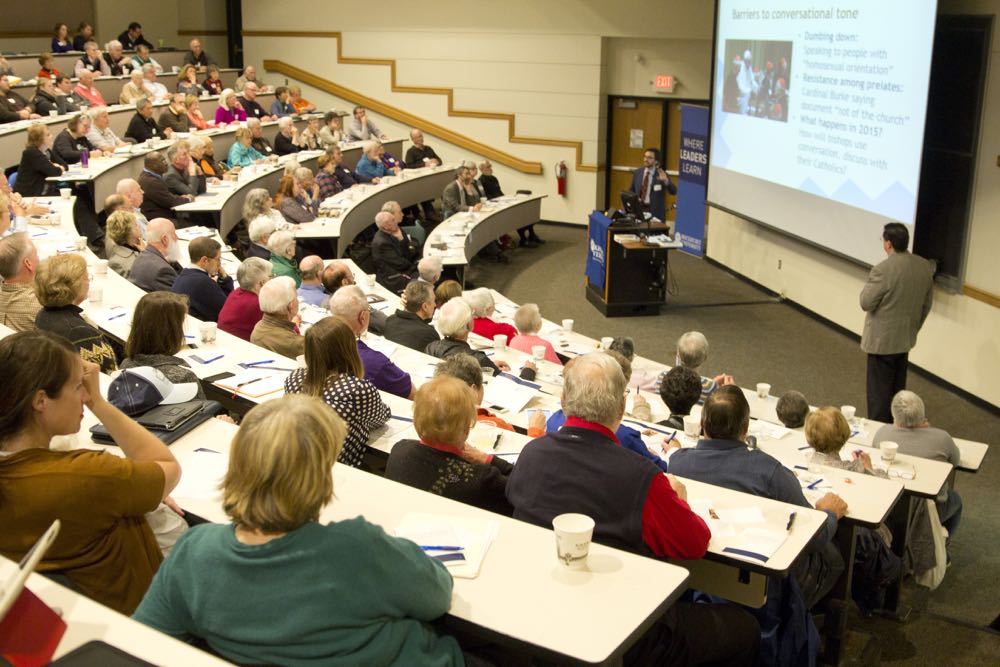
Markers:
point(311, 290)
point(299, 103)
point(132, 37)
point(196, 56)
point(241, 312)
point(280, 477)
point(278, 328)
point(362, 129)
point(61, 42)
point(792, 409)
point(87, 92)
point(335, 374)
point(446, 291)
point(183, 176)
point(680, 390)
point(350, 304)
point(71, 143)
point(248, 100)
point(460, 195)
point(46, 100)
point(325, 177)
point(133, 89)
point(301, 203)
point(580, 468)
point(249, 74)
point(241, 153)
point(100, 135)
point(175, 118)
point(125, 242)
point(692, 351)
point(141, 58)
point(370, 166)
point(157, 265)
point(441, 461)
point(827, 431)
point(230, 109)
point(213, 83)
point(528, 321)
point(84, 34)
point(116, 61)
point(156, 90)
point(38, 162)
point(346, 177)
point(283, 246)
point(723, 459)
point(281, 106)
point(18, 262)
point(336, 275)
point(308, 139)
point(411, 325)
point(395, 261)
point(911, 430)
point(261, 222)
point(420, 154)
point(331, 135)
point(157, 335)
point(483, 308)
point(129, 189)
point(67, 94)
point(196, 119)
point(259, 142)
point(157, 200)
point(13, 107)
point(61, 285)
point(143, 127)
point(48, 67)
point(285, 142)
point(92, 62)
point(454, 322)
point(429, 270)
point(205, 282)
point(105, 546)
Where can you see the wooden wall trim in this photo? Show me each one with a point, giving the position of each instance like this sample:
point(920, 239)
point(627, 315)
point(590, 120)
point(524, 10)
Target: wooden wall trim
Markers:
point(981, 295)
point(510, 119)
point(200, 32)
point(13, 34)
point(405, 117)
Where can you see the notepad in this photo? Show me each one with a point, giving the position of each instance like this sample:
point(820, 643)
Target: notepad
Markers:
point(506, 394)
point(256, 382)
point(203, 473)
point(474, 535)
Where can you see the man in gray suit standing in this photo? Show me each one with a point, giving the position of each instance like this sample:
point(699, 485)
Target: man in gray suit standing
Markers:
point(896, 300)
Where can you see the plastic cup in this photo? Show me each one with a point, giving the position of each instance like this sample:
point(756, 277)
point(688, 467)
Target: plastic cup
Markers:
point(692, 426)
point(889, 450)
point(96, 294)
point(207, 331)
point(538, 352)
point(65, 192)
point(573, 535)
point(369, 280)
point(567, 325)
point(606, 342)
point(848, 411)
point(500, 342)
point(101, 267)
point(763, 389)
point(81, 242)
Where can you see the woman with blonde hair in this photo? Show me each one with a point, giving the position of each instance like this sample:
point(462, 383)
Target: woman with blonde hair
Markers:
point(827, 431)
point(61, 285)
point(126, 242)
point(241, 153)
point(229, 110)
point(335, 374)
point(195, 117)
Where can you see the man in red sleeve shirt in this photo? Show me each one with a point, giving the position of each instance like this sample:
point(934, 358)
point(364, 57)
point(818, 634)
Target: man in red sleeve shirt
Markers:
point(582, 468)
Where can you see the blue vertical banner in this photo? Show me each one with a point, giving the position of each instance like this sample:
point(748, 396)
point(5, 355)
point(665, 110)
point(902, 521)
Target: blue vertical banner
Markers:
point(597, 251)
point(690, 219)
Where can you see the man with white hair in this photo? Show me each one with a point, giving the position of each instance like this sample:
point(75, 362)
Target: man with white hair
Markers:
point(248, 100)
point(133, 89)
point(283, 246)
point(311, 290)
point(100, 135)
point(429, 270)
point(912, 431)
point(156, 267)
point(129, 189)
point(183, 176)
point(350, 304)
point(175, 118)
point(278, 328)
point(257, 139)
point(582, 468)
point(196, 56)
point(118, 64)
point(259, 231)
point(241, 312)
point(454, 322)
point(415, 231)
point(87, 91)
point(18, 263)
point(411, 324)
point(91, 62)
point(691, 352)
point(285, 140)
point(157, 91)
point(394, 258)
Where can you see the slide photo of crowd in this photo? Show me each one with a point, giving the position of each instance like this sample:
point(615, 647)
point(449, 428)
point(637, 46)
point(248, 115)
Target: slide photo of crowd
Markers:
point(758, 75)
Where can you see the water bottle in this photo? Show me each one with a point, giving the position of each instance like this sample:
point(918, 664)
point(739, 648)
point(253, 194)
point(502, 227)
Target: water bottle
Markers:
point(84, 158)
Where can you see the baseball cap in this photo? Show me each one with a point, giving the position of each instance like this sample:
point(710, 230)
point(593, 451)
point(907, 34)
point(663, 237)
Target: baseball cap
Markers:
point(136, 390)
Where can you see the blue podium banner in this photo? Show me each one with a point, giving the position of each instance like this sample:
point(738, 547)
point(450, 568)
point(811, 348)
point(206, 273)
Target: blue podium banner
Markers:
point(597, 252)
point(690, 223)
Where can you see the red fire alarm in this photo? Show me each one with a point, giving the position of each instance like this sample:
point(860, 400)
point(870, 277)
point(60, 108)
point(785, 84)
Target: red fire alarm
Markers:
point(665, 83)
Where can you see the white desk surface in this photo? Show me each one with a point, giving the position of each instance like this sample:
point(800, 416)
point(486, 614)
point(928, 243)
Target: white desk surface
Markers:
point(87, 620)
point(456, 230)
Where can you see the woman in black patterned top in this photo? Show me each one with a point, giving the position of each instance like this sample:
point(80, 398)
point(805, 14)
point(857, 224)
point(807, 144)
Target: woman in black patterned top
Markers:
point(335, 374)
point(442, 462)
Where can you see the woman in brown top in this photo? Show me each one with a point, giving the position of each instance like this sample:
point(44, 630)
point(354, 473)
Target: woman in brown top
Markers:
point(105, 545)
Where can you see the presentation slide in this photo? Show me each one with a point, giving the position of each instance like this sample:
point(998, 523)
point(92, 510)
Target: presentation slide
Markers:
point(818, 116)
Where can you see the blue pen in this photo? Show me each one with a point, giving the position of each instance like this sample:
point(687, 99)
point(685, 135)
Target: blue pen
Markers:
point(671, 438)
point(208, 361)
point(437, 547)
point(812, 487)
point(258, 363)
point(115, 317)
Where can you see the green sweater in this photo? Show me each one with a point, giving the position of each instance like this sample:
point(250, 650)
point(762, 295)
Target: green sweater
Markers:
point(286, 267)
point(344, 593)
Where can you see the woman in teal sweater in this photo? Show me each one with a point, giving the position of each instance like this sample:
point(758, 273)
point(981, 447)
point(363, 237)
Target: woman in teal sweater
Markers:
point(276, 586)
point(241, 153)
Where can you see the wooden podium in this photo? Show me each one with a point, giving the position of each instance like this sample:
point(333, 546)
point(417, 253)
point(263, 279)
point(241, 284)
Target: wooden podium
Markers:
point(635, 279)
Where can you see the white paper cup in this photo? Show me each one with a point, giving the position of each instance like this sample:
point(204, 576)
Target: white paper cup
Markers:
point(96, 294)
point(500, 342)
point(567, 325)
point(207, 331)
point(606, 342)
point(538, 352)
point(848, 411)
point(573, 535)
point(101, 267)
point(763, 389)
point(65, 192)
point(889, 450)
point(53, 113)
point(55, 219)
point(81, 242)
point(370, 280)
point(692, 426)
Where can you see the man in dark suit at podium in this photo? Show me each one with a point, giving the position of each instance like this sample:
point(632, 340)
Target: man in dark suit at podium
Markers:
point(652, 184)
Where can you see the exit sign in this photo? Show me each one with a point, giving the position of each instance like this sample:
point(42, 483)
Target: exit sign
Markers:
point(665, 82)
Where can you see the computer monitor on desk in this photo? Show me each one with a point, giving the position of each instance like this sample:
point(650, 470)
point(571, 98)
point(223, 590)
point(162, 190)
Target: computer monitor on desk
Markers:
point(632, 206)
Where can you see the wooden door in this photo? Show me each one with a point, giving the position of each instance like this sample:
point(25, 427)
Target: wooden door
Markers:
point(629, 117)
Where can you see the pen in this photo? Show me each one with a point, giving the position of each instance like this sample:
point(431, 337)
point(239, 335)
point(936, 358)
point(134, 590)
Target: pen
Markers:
point(216, 358)
point(496, 443)
point(791, 520)
point(440, 547)
point(812, 487)
point(115, 317)
point(671, 438)
point(243, 384)
point(258, 363)
point(206, 449)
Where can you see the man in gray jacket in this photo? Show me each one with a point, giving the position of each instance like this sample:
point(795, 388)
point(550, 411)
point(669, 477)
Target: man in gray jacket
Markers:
point(896, 300)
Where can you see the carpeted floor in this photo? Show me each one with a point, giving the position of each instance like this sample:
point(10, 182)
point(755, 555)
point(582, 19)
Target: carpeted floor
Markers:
point(757, 338)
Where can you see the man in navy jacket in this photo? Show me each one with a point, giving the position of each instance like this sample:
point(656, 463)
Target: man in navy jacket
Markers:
point(204, 282)
point(652, 184)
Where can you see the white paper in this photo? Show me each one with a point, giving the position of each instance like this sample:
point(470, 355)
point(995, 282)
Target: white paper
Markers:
point(507, 394)
point(203, 473)
point(742, 515)
point(380, 344)
point(260, 381)
point(475, 535)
